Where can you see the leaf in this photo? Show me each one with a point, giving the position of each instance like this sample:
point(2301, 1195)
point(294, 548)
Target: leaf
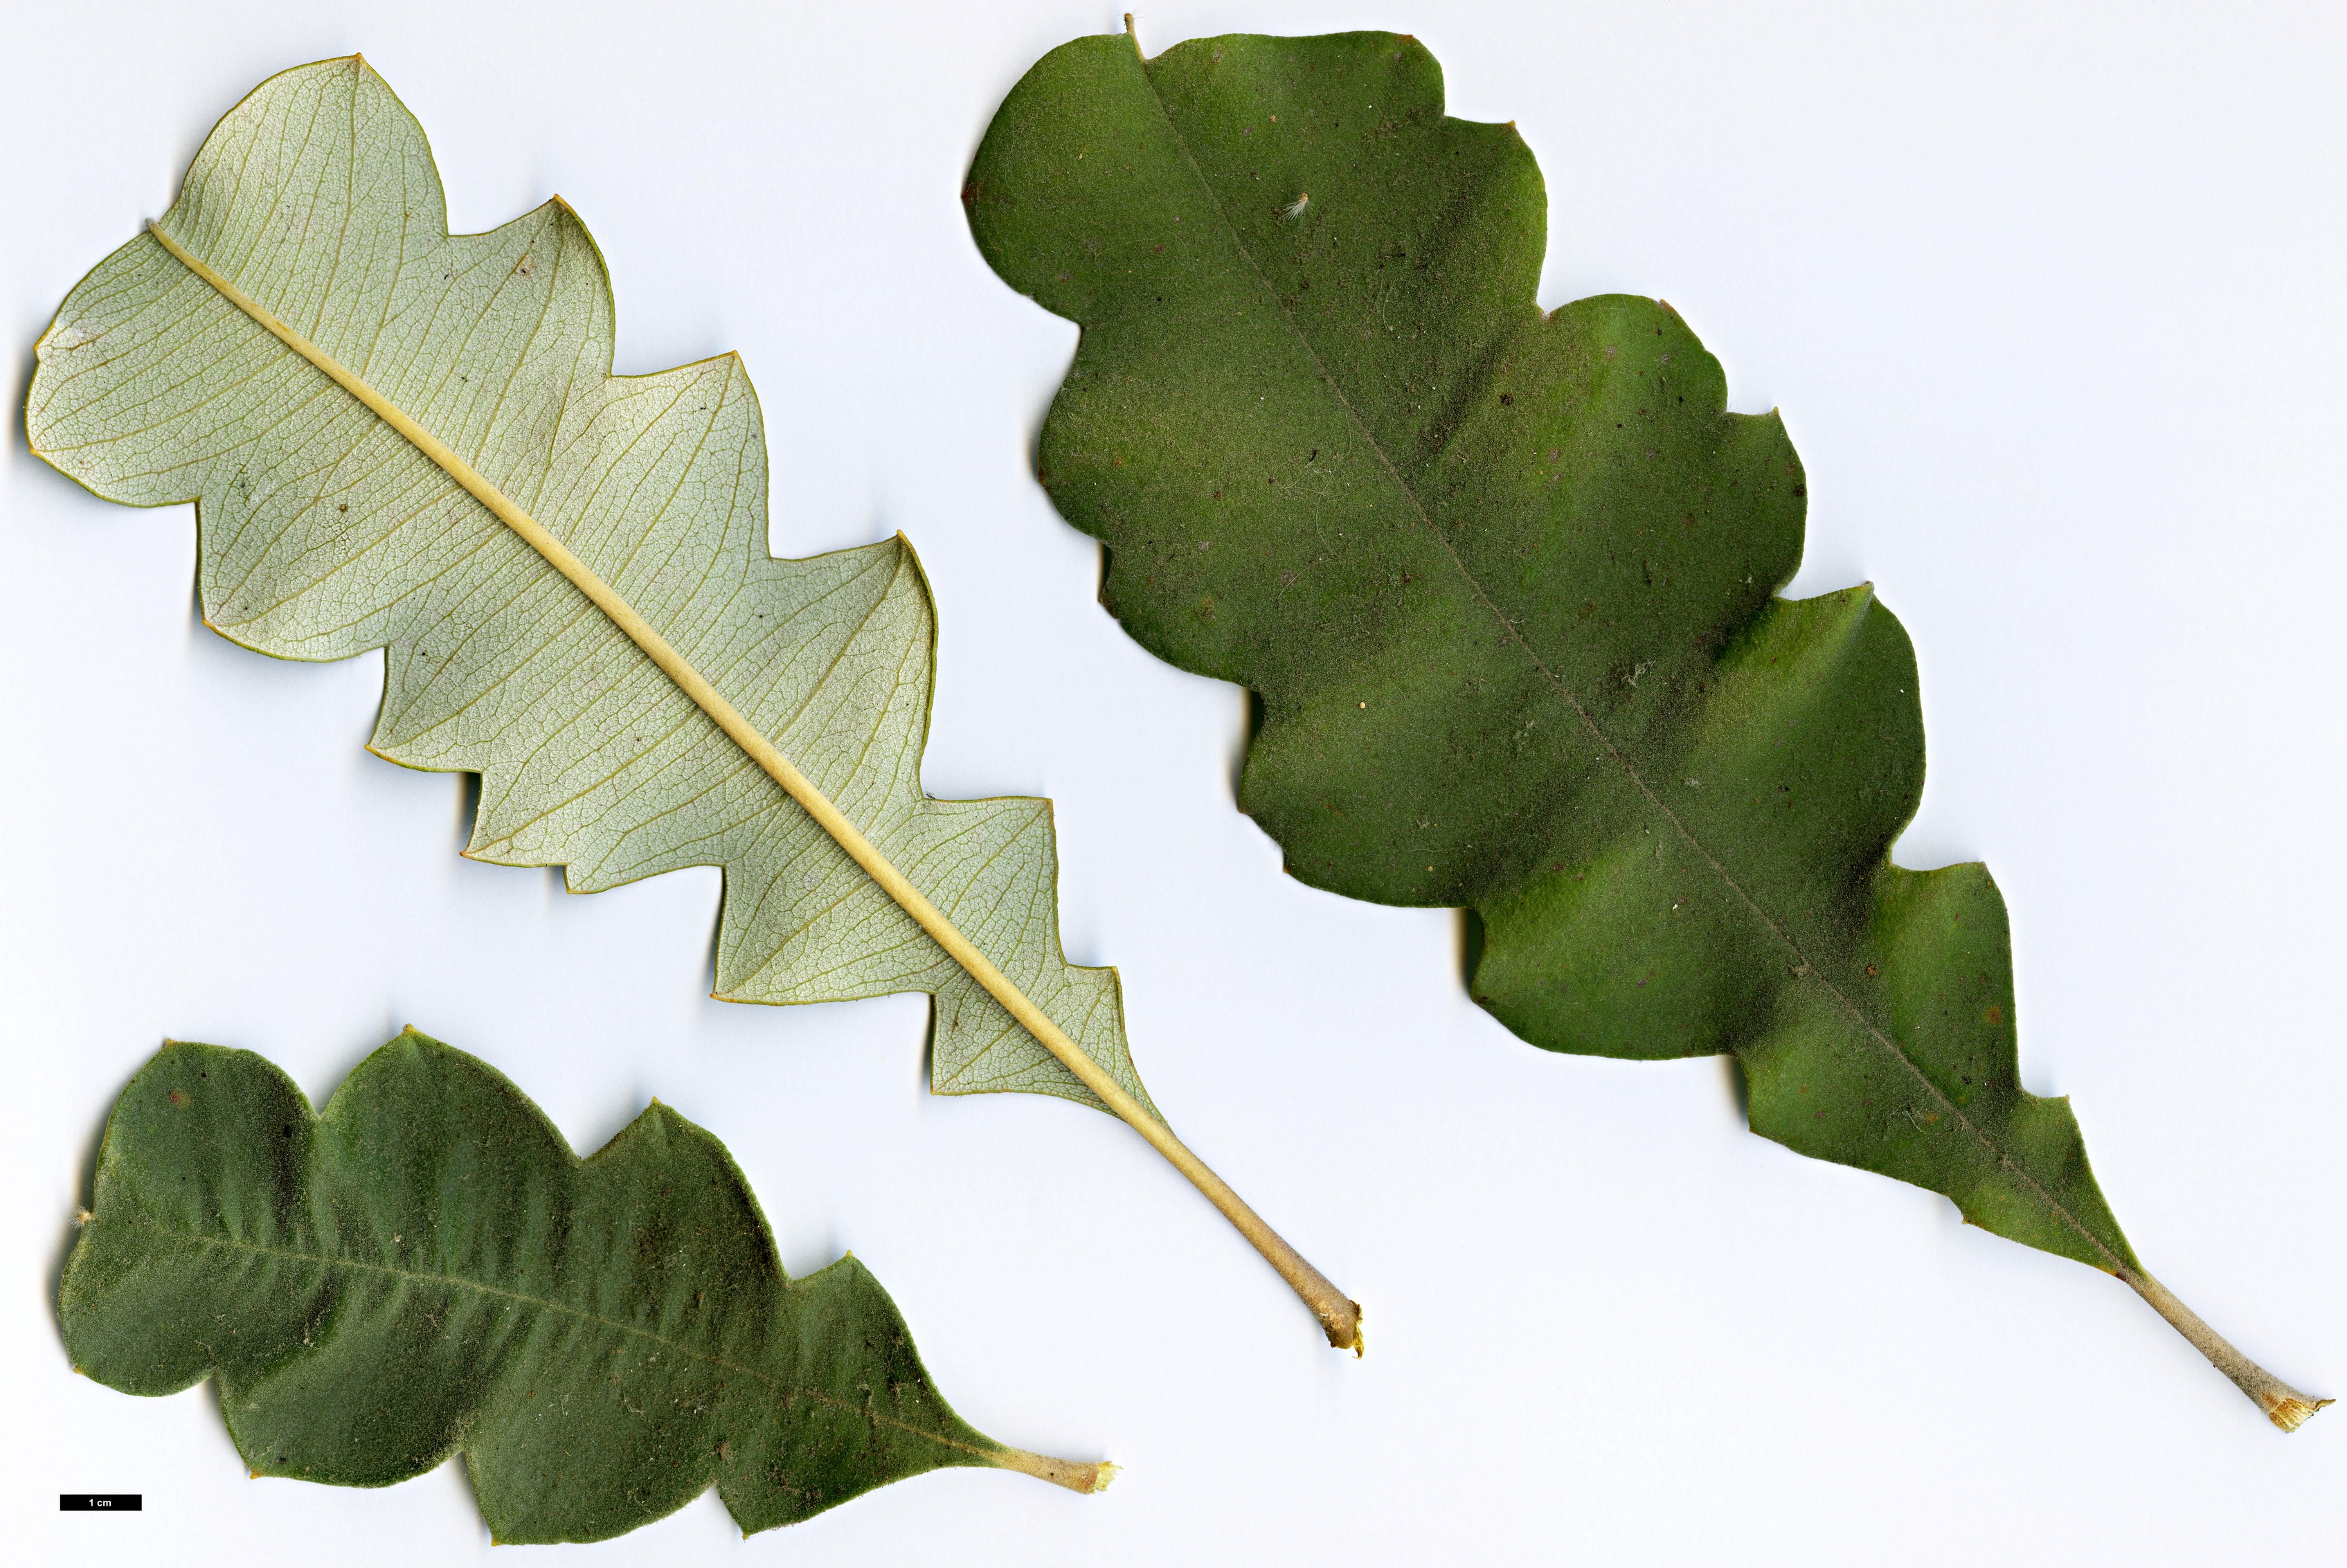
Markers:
point(425, 1268)
point(401, 438)
point(1504, 585)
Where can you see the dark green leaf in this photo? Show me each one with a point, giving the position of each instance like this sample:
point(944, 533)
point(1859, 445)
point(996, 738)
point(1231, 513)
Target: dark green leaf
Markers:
point(425, 1268)
point(1505, 582)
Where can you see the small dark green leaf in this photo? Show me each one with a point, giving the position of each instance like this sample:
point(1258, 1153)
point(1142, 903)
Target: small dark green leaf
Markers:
point(425, 1268)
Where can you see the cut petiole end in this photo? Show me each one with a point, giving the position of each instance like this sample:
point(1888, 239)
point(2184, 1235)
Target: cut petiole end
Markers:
point(1343, 1326)
point(2284, 1405)
point(2289, 1411)
point(1083, 1478)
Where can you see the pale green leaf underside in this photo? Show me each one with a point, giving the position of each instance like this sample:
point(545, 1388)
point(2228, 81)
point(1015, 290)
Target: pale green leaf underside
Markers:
point(324, 534)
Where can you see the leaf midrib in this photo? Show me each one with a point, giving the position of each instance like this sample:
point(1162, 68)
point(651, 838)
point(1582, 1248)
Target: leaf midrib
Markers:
point(1802, 968)
point(329, 1263)
point(762, 752)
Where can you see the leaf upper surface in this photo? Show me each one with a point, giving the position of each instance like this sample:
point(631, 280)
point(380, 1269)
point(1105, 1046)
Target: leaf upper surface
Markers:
point(425, 1266)
point(1505, 582)
point(324, 533)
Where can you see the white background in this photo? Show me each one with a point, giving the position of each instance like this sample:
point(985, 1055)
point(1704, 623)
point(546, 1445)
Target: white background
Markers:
point(2052, 299)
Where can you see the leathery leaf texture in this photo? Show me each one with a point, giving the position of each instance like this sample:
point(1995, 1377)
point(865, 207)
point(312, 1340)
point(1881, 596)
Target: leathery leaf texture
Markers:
point(1505, 585)
point(324, 532)
point(425, 1267)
